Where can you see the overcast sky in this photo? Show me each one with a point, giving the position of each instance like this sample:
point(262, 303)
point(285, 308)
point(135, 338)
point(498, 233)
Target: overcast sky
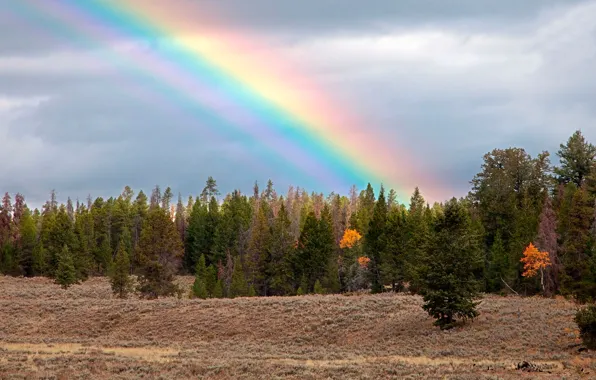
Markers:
point(449, 79)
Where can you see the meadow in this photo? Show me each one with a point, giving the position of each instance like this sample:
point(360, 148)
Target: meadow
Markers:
point(84, 332)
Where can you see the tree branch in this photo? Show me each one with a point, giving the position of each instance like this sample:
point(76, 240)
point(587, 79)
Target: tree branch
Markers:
point(509, 286)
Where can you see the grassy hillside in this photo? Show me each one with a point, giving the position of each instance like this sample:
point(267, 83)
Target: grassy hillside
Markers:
point(83, 332)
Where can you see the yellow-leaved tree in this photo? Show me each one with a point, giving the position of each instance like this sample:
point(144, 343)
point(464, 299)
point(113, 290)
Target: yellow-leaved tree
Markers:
point(350, 239)
point(535, 261)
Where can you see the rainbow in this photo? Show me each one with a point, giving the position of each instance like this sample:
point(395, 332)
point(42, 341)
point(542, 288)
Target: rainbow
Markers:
point(231, 82)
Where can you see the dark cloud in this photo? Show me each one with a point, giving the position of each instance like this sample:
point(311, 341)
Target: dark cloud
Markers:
point(451, 80)
point(354, 15)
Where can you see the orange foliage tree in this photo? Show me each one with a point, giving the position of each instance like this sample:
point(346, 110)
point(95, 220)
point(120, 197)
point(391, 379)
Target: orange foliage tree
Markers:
point(350, 239)
point(363, 261)
point(535, 261)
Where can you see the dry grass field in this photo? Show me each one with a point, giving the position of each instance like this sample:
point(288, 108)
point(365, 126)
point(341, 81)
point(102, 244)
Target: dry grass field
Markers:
point(83, 332)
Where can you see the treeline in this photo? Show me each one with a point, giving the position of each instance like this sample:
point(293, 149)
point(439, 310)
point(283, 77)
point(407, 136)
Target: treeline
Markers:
point(266, 244)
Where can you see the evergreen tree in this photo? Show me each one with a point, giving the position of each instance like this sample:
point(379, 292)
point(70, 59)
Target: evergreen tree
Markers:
point(61, 234)
point(498, 266)
point(577, 158)
point(218, 290)
point(119, 222)
point(417, 239)
point(83, 229)
point(195, 235)
point(251, 291)
point(211, 280)
point(392, 257)
point(258, 248)
point(331, 281)
point(239, 286)
point(155, 197)
point(318, 288)
point(361, 218)
point(27, 242)
point(231, 234)
point(448, 276)
point(591, 181)
point(199, 288)
point(210, 190)
point(139, 214)
point(166, 199)
point(391, 200)
point(8, 262)
point(180, 219)
point(119, 274)
point(160, 250)
point(575, 257)
point(281, 253)
point(102, 246)
point(65, 274)
point(375, 242)
point(327, 257)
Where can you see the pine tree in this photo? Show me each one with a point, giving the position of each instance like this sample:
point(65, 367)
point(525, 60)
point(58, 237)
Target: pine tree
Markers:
point(83, 229)
point(139, 214)
point(448, 276)
point(577, 158)
point(211, 280)
point(281, 253)
point(210, 190)
point(119, 274)
point(61, 234)
point(258, 248)
point(155, 197)
point(166, 199)
point(375, 241)
point(366, 202)
point(231, 233)
point(199, 288)
point(7, 255)
point(392, 258)
point(27, 242)
point(180, 218)
point(417, 239)
point(160, 250)
point(331, 280)
point(238, 286)
point(498, 266)
point(327, 256)
point(574, 250)
point(65, 271)
point(218, 290)
point(318, 288)
point(102, 253)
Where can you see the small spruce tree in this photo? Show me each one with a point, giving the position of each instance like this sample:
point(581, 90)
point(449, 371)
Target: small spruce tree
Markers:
point(238, 286)
point(449, 281)
point(119, 273)
point(66, 273)
point(218, 290)
point(211, 280)
point(199, 288)
point(251, 291)
point(319, 288)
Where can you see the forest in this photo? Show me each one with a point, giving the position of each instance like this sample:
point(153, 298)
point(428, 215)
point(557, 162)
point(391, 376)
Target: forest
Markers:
point(267, 244)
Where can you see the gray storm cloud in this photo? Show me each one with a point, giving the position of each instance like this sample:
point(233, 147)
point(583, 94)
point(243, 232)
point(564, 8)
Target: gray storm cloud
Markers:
point(452, 81)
